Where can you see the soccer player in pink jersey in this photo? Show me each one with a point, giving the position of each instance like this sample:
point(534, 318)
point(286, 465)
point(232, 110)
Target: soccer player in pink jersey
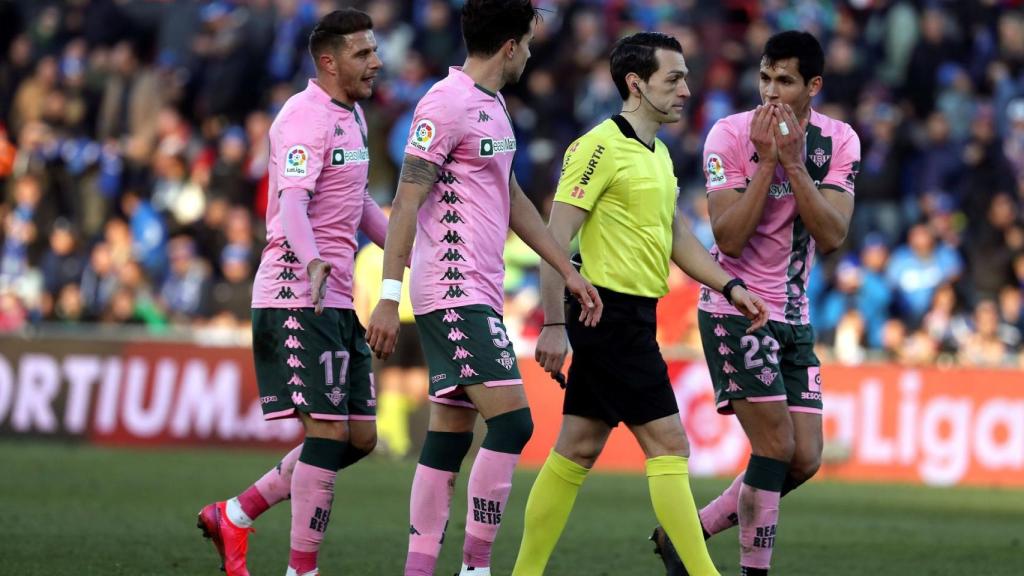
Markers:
point(780, 182)
point(458, 195)
point(312, 361)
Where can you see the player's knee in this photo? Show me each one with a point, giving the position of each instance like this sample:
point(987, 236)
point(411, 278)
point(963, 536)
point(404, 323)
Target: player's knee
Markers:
point(445, 450)
point(775, 446)
point(804, 467)
point(364, 443)
point(509, 432)
point(330, 429)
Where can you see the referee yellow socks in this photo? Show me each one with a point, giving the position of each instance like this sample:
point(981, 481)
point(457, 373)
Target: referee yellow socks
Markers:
point(547, 511)
point(668, 478)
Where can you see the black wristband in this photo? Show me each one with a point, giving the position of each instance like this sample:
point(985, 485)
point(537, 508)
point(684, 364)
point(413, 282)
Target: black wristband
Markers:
point(727, 289)
point(554, 324)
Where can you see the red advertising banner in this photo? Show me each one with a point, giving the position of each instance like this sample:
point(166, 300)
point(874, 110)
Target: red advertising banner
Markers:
point(882, 423)
point(134, 393)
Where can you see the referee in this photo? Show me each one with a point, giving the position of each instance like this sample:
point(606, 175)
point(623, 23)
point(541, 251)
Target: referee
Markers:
point(618, 190)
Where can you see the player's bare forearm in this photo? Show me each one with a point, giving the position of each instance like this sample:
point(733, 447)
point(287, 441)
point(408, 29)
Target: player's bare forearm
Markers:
point(526, 222)
point(691, 256)
point(418, 177)
point(563, 224)
point(735, 216)
point(825, 213)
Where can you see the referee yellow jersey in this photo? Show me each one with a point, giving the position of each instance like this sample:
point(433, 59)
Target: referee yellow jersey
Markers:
point(630, 193)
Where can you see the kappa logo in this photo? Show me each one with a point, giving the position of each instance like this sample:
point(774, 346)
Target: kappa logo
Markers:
point(819, 157)
point(294, 362)
point(292, 324)
point(724, 350)
point(452, 255)
point(296, 162)
point(285, 293)
point(705, 295)
point(287, 274)
point(437, 378)
point(766, 376)
point(450, 197)
point(461, 353)
point(506, 360)
point(483, 117)
point(467, 371)
point(715, 169)
point(454, 292)
point(338, 131)
point(452, 217)
point(456, 335)
point(296, 381)
point(451, 316)
point(720, 331)
point(445, 177)
point(335, 396)
point(729, 368)
point(288, 258)
point(422, 135)
point(453, 273)
point(293, 343)
point(733, 386)
point(298, 399)
point(267, 399)
point(452, 237)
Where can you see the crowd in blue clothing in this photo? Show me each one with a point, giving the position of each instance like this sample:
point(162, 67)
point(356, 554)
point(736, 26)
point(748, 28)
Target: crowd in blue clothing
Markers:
point(133, 148)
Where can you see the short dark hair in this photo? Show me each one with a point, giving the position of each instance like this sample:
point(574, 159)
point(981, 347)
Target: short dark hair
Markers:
point(488, 24)
point(329, 33)
point(796, 44)
point(636, 53)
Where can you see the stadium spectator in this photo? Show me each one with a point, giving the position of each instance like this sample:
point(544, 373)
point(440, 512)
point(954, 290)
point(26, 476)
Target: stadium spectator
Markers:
point(98, 98)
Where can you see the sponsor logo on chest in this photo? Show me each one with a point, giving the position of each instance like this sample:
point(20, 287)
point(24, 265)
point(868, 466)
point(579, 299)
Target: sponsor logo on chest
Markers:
point(341, 156)
point(491, 146)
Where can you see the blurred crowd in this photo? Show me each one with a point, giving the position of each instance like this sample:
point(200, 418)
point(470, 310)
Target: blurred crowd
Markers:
point(133, 152)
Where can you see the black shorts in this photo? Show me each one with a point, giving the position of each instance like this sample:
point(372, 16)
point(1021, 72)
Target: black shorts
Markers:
point(408, 351)
point(617, 372)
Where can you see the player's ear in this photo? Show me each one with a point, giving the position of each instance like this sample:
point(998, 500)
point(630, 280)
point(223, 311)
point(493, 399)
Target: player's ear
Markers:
point(814, 86)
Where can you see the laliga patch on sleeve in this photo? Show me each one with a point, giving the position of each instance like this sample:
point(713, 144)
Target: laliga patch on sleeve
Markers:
point(715, 170)
point(296, 162)
point(422, 135)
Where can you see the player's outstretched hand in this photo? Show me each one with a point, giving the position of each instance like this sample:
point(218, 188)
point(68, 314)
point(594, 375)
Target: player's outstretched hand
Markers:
point(318, 272)
point(762, 136)
point(789, 134)
point(382, 332)
point(588, 297)
point(750, 306)
point(552, 346)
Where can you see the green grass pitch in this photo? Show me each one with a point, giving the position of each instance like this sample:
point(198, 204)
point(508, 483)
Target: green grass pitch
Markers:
point(83, 511)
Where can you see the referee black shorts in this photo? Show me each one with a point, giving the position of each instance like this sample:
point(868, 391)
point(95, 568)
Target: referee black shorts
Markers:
point(617, 372)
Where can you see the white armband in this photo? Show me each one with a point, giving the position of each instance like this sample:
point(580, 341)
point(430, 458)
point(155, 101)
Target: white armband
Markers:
point(391, 290)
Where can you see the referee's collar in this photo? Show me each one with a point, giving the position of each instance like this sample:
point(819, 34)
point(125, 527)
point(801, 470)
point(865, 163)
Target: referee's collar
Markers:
point(627, 130)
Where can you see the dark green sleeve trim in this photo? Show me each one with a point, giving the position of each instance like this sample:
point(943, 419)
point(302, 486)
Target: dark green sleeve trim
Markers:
point(833, 187)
